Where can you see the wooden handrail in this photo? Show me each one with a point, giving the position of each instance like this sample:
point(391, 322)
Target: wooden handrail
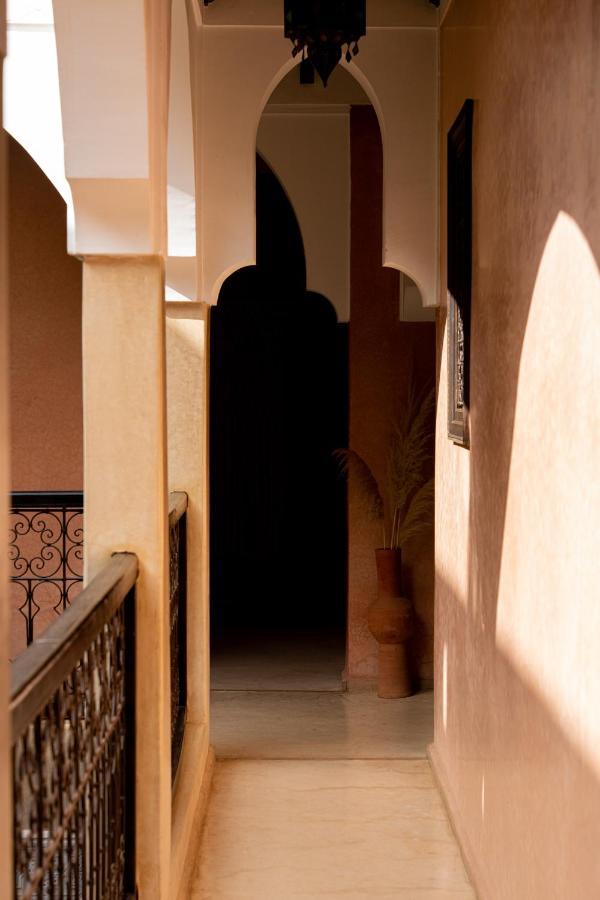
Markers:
point(46, 499)
point(178, 503)
point(37, 671)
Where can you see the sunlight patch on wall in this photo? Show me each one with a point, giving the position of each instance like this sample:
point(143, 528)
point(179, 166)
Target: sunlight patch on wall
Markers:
point(483, 797)
point(445, 687)
point(548, 619)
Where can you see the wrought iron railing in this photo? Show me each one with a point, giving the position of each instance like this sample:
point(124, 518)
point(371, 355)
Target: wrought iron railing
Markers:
point(73, 739)
point(46, 560)
point(178, 619)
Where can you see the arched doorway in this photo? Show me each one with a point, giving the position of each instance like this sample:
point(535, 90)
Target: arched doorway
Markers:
point(279, 401)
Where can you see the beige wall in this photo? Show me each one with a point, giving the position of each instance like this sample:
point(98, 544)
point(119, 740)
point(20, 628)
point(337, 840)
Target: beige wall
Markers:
point(126, 508)
point(113, 66)
point(308, 148)
point(187, 381)
point(517, 722)
point(396, 67)
point(45, 334)
point(342, 87)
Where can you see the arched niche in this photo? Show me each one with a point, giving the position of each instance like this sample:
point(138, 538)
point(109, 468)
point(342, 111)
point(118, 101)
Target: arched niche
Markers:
point(237, 70)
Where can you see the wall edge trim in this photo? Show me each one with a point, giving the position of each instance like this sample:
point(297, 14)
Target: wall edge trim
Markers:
point(470, 860)
point(185, 309)
point(190, 803)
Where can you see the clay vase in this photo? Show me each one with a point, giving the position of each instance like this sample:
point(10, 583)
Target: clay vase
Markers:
point(391, 624)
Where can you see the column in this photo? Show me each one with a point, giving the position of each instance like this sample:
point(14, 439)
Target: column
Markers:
point(187, 393)
point(125, 481)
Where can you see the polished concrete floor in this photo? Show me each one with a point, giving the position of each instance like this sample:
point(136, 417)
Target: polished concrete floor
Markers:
point(322, 793)
point(314, 725)
point(301, 829)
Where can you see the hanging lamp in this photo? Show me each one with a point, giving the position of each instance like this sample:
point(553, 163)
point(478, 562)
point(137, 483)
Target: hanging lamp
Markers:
point(320, 29)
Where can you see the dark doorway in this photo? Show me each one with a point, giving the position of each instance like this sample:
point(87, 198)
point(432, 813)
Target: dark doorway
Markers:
point(279, 407)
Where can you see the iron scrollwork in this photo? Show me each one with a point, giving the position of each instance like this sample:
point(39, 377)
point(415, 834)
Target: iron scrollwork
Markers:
point(178, 628)
point(45, 551)
point(73, 756)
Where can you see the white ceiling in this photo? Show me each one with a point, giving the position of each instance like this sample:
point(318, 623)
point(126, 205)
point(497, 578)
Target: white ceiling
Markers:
point(380, 13)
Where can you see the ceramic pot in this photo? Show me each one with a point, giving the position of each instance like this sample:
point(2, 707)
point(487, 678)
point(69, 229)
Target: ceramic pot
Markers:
point(391, 624)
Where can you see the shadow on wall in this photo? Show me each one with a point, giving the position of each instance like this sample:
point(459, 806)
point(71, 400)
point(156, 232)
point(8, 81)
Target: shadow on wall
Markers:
point(525, 800)
point(518, 642)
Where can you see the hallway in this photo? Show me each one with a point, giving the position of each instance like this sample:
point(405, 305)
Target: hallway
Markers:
point(320, 794)
point(299, 380)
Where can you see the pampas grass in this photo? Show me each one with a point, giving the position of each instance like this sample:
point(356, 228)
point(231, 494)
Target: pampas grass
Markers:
point(351, 464)
point(419, 515)
point(410, 495)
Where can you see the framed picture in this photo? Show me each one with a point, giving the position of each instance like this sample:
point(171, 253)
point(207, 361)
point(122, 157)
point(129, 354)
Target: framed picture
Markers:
point(459, 242)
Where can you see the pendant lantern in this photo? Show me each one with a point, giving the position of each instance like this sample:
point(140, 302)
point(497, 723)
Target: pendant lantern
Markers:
point(320, 29)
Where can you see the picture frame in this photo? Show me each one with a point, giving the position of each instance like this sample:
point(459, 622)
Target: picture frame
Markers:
point(459, 271)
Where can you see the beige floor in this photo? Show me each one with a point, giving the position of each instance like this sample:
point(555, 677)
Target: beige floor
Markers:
point(324, 795)
point(305, 829)
point(312, 725)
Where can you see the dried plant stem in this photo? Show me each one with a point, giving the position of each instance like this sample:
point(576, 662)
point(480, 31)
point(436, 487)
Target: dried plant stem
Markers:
point(394, 527)
point(411, 497)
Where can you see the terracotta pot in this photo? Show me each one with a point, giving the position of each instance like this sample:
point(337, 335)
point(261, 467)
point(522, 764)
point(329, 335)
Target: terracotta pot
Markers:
point(390, 622)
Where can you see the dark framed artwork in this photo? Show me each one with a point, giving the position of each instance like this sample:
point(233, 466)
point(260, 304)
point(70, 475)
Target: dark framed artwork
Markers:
point(459, 242)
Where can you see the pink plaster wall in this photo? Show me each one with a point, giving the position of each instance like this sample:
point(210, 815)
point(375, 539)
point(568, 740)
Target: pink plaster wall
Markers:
point(46, 418)
point(45, 334)
point(383, 351)
point(517, 626)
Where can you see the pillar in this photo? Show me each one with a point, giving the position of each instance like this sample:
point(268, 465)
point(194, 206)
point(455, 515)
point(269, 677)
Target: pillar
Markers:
point(187, 392)
point(125, 482)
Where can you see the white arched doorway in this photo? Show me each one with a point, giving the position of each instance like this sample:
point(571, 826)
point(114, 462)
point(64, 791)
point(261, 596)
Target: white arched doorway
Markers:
point(397, 70)
point(305, 135)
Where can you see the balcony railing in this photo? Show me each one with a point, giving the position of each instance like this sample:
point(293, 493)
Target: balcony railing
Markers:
point(73, 740)
point(46, 560)
point(178, 620)
point(72, 700)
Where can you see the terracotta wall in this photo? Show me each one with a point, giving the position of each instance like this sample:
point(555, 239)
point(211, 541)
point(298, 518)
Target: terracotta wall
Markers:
point(6, 825)
point(45, 334)
point(383, 352)
point(517, 721)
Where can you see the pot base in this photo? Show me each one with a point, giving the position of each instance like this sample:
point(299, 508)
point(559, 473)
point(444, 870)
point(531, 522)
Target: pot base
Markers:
point(394, 676)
